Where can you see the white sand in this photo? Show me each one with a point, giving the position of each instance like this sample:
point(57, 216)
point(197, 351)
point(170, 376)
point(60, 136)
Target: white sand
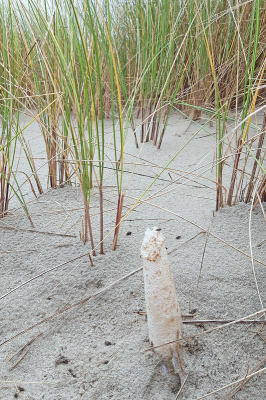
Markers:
point(226, 290)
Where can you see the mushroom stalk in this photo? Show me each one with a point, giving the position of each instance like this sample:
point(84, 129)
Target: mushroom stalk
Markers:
point(163, 312)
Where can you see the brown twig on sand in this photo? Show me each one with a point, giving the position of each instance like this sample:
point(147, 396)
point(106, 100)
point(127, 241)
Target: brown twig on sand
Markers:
point(233, 383)
point(179, 355)
point(16, 251)
point(27, 382)
point(170, 252)
point(182, 387)
point(63, 245)
point(23, 348)
point(222, 321)
point(20, 359)
point(18, 391)
point(258, 331)
point(244, 380)
point(6, 226)
point(255, 165)
point(205, 245)
point(233, 391)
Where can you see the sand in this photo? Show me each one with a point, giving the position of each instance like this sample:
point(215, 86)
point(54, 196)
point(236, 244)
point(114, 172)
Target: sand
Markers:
point(100, 348)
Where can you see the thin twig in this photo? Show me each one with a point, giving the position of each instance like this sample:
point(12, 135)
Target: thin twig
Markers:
point(20, 359)
point(180, 390)
point(205, 245)
point(16, 251)
point(28, 382)
point(233, 391)
point(34, 230)
point(231, 384)
point(18, 391)
point(245, 379)
point(26, 345)
point(251, 251)
point(179, 354)
point(222, 321)
point(170, 252)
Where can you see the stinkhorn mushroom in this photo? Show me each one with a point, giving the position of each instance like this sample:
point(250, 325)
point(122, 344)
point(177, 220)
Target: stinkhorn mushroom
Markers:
point(163, 312)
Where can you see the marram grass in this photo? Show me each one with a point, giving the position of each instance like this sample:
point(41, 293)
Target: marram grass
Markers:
point(83, 61)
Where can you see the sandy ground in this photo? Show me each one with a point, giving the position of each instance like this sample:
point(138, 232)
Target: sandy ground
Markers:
point(100, 348)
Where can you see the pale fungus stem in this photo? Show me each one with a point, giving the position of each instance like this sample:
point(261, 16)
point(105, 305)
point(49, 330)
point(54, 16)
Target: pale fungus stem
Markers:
point(163, 312)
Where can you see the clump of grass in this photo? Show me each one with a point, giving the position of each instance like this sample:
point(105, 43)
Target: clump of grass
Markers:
point(76, 63)
point(11, 74)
